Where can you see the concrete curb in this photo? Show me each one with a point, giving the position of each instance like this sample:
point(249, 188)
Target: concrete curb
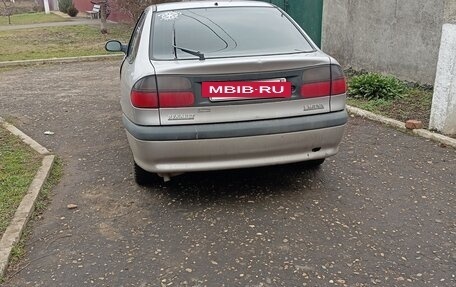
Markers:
point(25, 138)
point(60, 60)
point(401, 126)
point(14, 231)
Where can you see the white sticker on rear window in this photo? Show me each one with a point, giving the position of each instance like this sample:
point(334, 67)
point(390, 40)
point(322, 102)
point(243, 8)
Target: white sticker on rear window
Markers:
point(168, 16)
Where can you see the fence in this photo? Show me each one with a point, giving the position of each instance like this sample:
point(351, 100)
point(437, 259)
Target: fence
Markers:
point(400, 37)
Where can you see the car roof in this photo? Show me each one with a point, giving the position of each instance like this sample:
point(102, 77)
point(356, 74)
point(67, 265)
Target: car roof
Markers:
point(208, 4)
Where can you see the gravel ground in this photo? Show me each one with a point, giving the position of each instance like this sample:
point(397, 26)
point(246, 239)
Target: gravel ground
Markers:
point(381, 212)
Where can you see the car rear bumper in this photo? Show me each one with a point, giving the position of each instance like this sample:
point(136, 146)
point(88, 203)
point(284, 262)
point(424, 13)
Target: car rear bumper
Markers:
point(235, 129)
point(176, 156)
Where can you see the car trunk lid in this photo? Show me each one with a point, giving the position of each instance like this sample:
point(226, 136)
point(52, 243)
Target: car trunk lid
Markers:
point(291, 69)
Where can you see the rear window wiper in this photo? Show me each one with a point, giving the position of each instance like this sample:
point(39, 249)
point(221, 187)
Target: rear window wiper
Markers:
point(191, 52)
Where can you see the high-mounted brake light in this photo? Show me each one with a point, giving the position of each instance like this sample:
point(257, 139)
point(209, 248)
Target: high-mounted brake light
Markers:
point(323, 81)
point(165, 92)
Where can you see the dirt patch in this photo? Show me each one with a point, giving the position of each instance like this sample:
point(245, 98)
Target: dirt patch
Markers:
point(415, 105)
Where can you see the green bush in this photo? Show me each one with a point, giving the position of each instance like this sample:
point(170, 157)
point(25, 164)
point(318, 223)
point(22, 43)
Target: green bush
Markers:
point(72, 11)
point(372, 86)
point(64, 5)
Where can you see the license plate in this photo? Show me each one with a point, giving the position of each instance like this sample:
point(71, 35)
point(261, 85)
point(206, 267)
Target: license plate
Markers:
point(230, 91)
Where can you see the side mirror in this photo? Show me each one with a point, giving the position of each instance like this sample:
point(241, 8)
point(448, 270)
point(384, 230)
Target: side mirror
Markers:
point(115, 46)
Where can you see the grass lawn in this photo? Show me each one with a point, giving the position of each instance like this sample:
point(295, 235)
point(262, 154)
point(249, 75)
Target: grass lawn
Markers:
point(56, 42)
point(18, 165)
point(31, 18)
point(41, 203)
point(415, 104)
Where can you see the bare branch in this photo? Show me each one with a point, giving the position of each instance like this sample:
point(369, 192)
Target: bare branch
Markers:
point(134, 8)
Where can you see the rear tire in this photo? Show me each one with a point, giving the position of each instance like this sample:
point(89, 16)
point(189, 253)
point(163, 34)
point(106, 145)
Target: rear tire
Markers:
point(142, 177)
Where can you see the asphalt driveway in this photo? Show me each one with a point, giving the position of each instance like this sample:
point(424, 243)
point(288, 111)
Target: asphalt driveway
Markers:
point(382, 212)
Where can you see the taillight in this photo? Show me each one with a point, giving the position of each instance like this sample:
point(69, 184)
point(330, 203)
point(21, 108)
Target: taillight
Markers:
point(144, 99)
point(338, 83)
point(163, 92)
point(176, 99)
point(323, 81)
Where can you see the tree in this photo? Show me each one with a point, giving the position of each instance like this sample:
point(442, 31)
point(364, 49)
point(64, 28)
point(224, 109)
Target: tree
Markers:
point(104, 13)
point(8, 9)
point(134, 8)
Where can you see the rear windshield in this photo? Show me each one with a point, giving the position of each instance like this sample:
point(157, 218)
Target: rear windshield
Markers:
point(225, 32)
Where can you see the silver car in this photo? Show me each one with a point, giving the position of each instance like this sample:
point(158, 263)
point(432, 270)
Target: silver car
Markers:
point(211, 85)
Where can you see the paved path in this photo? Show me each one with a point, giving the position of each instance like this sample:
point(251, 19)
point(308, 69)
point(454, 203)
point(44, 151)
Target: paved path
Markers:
point(51, 24)
point(381, 212)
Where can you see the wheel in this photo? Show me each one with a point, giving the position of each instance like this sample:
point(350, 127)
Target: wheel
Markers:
point(142, 177)
point(316, 162)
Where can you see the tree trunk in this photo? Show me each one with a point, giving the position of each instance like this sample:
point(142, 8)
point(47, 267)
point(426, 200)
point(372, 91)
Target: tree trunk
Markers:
point(8, 11)
point(103, 15)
